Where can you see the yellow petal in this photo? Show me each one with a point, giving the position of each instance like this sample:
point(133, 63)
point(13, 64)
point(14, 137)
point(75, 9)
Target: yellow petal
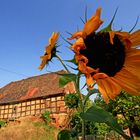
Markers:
point(111, 35)
point(90, 82)
point(135, 38)
point(81, 58)
point(90, 26)
point(124, 36)
point(53, 38)
point(108, 88)
point(133, 67)
point(52, 41)
point(48, 51)
point(132, 62)
point(44, 61)
point(86, 69)
point(129, 82)
point(100, 76)
point(132, 52)
point(103, 88)
point(93, 23)
point(76, 35)
point(114, 87)
point(78, 45)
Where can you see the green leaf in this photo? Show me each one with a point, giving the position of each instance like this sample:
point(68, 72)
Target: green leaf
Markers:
point(64, 135)
point(66, 78)
point(97, 114)
point(72, 61)
point(71, 100)
point(90, 92)
point(109, 26)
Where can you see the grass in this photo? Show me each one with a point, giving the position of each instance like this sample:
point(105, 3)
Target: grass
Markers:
point(28, 129)
point(47, 132)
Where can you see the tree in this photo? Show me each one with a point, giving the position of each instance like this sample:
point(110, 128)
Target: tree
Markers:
point(127, 110)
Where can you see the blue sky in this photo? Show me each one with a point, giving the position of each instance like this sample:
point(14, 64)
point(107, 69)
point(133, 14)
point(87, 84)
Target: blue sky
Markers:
point(26, 25)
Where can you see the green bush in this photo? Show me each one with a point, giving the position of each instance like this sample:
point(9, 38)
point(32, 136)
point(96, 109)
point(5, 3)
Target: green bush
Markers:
point(102, 128)
point(66, 135)
point(71, 100)
point(76, 124)
point(91, 128)
point(46, 116)
point(2, 123)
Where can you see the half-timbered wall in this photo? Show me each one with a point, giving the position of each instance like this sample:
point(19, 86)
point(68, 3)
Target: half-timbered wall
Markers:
point(55, 105)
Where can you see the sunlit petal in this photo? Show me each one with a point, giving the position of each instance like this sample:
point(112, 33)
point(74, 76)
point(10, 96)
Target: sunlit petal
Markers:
point(93, 23)
point(49, 50)
point(135, 38)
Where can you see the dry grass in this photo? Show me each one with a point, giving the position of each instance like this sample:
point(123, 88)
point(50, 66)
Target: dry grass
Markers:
point(28, 128)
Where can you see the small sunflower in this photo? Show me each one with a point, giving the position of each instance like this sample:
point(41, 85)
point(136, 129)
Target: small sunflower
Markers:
point(50, 50)
point(109, 58)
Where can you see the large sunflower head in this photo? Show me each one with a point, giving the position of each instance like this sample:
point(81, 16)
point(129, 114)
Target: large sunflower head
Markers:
point(50, 50)
point(109, 58)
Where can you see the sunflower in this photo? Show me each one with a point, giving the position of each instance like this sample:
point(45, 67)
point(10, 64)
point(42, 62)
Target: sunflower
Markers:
point(50, 50)
point(111, 59)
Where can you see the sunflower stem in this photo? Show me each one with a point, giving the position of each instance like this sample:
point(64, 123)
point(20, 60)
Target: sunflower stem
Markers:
point(83, 129)
point(77, 85)
point(59, 58)
point(81, 103)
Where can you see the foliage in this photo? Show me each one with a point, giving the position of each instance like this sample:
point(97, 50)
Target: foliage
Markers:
point(97, 114)
point(76, 120)
point(126, 108)
point(66, 78)
point(2, 123)
point(76, 124)
point(95, 72)
point(91, 128)
point(65, 135)
point(95, 118)
point(46, 116)
point(71, 100)
point(102, 128)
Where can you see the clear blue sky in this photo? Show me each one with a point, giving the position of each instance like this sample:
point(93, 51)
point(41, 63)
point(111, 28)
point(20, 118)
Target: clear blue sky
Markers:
point(25, 26)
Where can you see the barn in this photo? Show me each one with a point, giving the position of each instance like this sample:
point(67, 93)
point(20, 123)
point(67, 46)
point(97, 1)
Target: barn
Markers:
point(33, 96)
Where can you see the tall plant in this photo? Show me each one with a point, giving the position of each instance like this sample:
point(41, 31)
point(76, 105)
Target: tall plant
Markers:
point(106, 58)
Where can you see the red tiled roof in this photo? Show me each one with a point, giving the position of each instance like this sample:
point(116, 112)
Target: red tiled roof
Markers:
point(33, 87)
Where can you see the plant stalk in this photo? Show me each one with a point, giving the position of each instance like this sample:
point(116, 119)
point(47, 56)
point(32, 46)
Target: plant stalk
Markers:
point(83, 129)
point(61, 61)
point(81, 104)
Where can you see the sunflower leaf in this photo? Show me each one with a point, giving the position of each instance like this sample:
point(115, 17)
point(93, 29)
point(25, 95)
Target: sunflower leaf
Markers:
point(90, 92)
point(72, 61)
point(66, 78)
point(97, 114)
